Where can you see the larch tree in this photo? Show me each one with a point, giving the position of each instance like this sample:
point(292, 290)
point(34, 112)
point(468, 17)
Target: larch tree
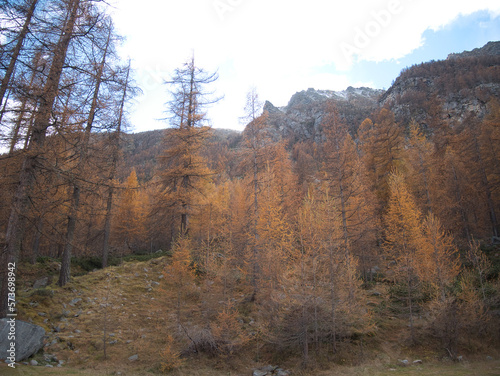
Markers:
point(344, 173)
point(403, 234)
point(255, 155)
point(115, 154)
point(381, 146)
point(20, 204)
point(81, 153)
point(184, 169)
point(130, 221)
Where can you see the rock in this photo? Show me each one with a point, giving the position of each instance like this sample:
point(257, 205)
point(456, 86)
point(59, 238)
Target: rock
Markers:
point(258, 372)
point(418, 361)
point(29, 338)
point(375, 293)
point(268, 371)
point(281, 372)
point(42, 282)
point(403, 363)
point(489, 358)
point(33, 362)
point(75, 301)
point(133, 358)
point(114, 342)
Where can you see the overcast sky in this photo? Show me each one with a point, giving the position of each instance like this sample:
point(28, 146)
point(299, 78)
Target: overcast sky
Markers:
point(284, 46)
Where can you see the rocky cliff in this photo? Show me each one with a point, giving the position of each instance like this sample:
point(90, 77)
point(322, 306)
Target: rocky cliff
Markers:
point(301, 118)
point(454, 89)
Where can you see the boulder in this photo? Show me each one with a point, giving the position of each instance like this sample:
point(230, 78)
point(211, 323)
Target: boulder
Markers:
point(257, 372)
point(75, 302)
point(28, 338)
point(403, 363)
point(42, 282)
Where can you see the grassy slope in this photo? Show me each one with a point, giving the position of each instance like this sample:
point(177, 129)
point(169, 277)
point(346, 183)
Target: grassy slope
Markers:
point(134, 303)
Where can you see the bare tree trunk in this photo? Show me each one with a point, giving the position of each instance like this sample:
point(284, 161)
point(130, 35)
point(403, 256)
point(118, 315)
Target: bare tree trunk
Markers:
point(36, 240)
point(19, 208)
point(75, 201)
point(114, 162)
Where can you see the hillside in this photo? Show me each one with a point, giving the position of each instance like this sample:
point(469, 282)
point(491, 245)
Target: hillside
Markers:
point(452, 90)
point(130, 309)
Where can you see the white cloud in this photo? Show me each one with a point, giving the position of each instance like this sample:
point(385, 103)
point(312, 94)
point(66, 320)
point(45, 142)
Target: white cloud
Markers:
point(276, 45)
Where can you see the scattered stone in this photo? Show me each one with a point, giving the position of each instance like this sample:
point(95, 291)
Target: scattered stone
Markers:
point(29, 338)
point(66, 313)
point(40, 283)
point(33, 362)
point(418, 361)
point(257, 372)
point(403, 363)
point(281, 372)
point(75, 301)
point(489, 358)
point(49, 365)
point(43, 314)
point(77, 331)
point(133, 357)
point(270, 371)
point(128, 342)
point(375, 293)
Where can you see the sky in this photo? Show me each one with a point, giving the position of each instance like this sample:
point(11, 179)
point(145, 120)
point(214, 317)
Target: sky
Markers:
point(280, 47)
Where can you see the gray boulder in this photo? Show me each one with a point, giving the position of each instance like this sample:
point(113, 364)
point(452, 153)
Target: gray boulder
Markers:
point(42, 282)
point(28, 339)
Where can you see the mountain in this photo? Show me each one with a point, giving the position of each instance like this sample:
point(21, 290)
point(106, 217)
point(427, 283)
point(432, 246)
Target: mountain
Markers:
point(489, 49)
point(454, 89)
point(301, 118)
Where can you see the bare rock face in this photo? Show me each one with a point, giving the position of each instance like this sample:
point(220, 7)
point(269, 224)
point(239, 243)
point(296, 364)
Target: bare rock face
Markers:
point(454, 90)
point(28, 339)
point(301, 118)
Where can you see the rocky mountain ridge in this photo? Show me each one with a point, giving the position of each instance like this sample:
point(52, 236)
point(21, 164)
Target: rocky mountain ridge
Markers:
point(489, 49)
point(453, 90)
point(301, 117)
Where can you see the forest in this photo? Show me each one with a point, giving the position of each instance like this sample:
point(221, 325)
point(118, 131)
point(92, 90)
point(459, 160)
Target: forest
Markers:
point(295, 233)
